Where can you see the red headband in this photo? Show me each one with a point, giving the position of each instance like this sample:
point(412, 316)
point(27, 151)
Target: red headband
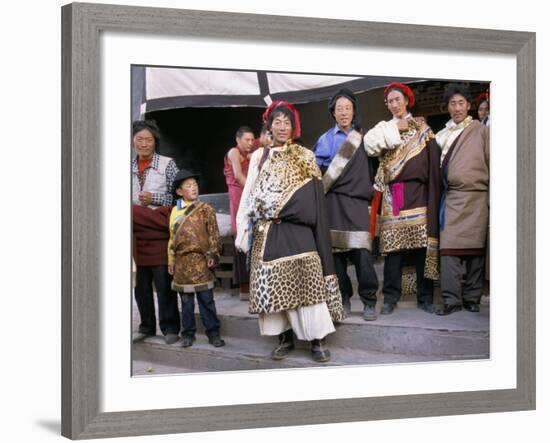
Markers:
point(297, 131)
point(484, 96)
point(407, 92)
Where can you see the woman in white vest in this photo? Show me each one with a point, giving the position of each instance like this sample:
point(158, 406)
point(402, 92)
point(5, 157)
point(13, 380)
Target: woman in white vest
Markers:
point(152, 178)
point(152, 173)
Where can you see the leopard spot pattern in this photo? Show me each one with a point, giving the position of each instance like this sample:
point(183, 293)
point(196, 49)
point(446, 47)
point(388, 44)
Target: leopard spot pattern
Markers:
point(403, 238)
point(286, 284)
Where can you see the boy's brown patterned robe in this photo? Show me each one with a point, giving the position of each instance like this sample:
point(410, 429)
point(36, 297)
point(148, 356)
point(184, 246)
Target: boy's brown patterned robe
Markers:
point(195, 238)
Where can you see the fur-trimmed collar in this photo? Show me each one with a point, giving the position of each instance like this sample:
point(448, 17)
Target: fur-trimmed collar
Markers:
point(341, 159)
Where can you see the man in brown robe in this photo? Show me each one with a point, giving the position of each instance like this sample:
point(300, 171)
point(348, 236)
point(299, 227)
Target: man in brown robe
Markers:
point(464, 209)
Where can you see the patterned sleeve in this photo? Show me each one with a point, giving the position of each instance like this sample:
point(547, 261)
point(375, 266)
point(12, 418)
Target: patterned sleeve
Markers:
point(165, 198)
point(213, 233)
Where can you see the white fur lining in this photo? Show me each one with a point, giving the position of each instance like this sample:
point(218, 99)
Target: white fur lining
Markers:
point(340, 160)
point(385, 135)
point(243, 214)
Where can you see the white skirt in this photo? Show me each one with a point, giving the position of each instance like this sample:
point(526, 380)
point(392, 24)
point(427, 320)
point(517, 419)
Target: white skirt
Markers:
point(308, 322)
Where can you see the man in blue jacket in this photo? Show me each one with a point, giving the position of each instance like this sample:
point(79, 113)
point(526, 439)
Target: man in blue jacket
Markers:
point(348, 185)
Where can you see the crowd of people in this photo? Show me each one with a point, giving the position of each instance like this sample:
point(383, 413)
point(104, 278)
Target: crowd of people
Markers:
point(300, 216)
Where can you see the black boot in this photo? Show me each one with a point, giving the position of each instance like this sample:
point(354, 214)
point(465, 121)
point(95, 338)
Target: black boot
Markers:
point(319, 351)
point(286, 344)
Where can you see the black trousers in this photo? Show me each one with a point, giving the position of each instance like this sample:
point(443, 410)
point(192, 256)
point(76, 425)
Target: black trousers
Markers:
point(366, 275)
point(393, 265)
point(169, 319)
point(207, 310)
point(241, 275)
point(455, 291)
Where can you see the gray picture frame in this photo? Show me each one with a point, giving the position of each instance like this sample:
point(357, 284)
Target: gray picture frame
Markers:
point(81, 208)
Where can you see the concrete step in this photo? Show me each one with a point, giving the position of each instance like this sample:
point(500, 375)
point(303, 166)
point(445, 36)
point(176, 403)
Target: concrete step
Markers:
point(407, 331)
point(153, 356)
point(407, 335)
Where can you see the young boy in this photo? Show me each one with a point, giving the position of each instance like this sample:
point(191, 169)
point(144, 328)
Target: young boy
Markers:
point(193, 251)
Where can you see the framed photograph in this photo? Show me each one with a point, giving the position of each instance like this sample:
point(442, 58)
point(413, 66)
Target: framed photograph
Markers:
point(101, 43)
point(233, 101)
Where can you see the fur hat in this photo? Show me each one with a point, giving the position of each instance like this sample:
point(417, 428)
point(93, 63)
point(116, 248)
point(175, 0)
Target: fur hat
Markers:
point(405, 90)
point(297, 130)
point(483, 97)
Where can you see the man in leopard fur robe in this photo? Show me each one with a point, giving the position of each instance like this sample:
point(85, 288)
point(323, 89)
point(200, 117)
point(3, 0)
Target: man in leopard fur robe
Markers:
point(293, 286)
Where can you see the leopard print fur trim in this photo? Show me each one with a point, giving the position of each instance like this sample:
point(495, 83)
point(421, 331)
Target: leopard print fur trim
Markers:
point(403, 237)
point(286, 172)
point(285, 284)
point(334, 298)
point(408, 281)
point(431, 267)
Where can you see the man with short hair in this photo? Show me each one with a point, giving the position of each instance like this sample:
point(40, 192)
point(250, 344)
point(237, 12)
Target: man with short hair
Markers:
point(464, 209)
point(347, 182)
point(408, 193)
point(235, 170)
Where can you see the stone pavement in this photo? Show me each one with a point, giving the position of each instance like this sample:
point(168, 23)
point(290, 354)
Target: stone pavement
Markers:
point(408, 335)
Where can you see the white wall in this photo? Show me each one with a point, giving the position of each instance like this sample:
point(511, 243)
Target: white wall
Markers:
point(30, 391)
